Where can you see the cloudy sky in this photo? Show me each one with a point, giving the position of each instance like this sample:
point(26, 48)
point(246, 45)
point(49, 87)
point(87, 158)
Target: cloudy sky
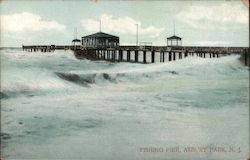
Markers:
point(208, 23)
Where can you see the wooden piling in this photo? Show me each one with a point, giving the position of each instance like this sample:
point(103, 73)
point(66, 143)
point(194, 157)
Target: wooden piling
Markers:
point(98, 54)
point(186, 54)
point(128, 55)
point(136, 55)
point(120, 55)
point(180, 55)
point(153, 56)
point(113, 55)
point(108, 55)
point(103, 55)
point(245, 56)
point(170, 56)
point(173, 56)
point(144, 56)
point(163, 56)
point(116, 55)
point(160, 56)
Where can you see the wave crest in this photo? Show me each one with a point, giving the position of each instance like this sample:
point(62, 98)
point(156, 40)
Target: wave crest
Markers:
point(85, 79)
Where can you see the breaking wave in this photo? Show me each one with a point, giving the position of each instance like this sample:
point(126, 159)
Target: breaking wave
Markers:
point(48, 75)
point(85, 79)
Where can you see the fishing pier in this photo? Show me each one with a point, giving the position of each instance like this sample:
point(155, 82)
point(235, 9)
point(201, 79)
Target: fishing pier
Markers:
point(144, 54)
point(105, 47)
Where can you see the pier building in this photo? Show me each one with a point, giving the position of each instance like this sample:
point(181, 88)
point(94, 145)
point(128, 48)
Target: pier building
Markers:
point(100, 40)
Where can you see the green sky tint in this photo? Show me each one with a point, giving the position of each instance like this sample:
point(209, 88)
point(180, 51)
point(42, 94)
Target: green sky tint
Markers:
point(206, 23)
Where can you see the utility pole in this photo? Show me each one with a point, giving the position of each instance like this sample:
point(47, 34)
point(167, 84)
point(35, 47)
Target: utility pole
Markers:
point(136, 34)
point(100, 25)
point(174, 28)
point(76, 33)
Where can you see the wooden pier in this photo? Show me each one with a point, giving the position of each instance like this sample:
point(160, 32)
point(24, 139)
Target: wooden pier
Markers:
point(47, 48)
point(143, 54)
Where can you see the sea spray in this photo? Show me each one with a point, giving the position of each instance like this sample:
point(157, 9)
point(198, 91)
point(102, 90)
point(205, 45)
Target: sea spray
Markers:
point(56, 106)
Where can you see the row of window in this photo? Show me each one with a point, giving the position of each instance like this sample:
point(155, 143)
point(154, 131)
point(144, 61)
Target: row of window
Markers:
point(99, 42)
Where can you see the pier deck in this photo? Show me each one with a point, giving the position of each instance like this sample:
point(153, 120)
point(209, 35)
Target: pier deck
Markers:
point(118, 53)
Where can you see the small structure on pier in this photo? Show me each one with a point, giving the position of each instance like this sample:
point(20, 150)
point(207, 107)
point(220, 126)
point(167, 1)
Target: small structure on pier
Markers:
point(100, 39)
point(174, 41)
point(76, 42)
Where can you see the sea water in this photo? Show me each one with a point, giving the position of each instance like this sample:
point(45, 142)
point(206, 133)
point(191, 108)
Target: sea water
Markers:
point(54, 106)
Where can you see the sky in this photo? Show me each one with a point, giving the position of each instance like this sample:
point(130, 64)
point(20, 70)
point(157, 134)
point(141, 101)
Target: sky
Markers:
point(199, 23)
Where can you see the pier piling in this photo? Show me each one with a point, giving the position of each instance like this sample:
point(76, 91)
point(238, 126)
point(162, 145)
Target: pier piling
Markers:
point(163, 56)
point(186, 54)
point(128, 56)
point(153, 56)
point(180, 55)
point(169, 56)
point(120, 56)
point(144, 56)
point(136, 55)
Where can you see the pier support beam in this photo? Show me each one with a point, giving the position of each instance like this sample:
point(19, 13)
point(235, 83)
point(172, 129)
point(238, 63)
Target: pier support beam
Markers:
point(103, 54)
point(128, 56)
point(163, 56)
point(120, 55)
point(108, 54)
point(98, 54)
point(116, 55)
point(113, 56)
point(173, 56)
point(160, 56)
point(153, 56)
point(186, 54)
point(245, 57)
point(169, 56)
point(136, 56)
point(180, 55)
point(144, 57)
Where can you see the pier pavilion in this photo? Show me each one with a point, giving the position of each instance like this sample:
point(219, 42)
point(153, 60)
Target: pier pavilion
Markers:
point(76, 42)
point(174, 41)
point(100, 39)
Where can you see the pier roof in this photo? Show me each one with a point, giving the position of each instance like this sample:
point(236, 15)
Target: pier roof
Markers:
point(100, 35)
point(76, 40)
point(174, 37)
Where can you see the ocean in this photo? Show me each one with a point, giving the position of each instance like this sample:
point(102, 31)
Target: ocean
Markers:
point(54, 106)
